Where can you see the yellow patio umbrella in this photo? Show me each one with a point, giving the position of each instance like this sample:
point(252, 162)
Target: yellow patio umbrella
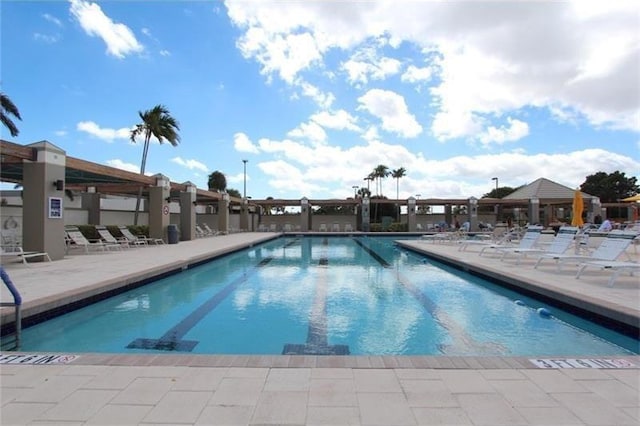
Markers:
point(578, 207)
point(633, 198)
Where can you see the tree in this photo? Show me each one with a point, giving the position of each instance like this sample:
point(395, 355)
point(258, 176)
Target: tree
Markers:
point(234, 193)
point(500, 192)
point(9, 108)
point(156, 122)
point(610, 187)
point(217, 181)
point(380, 172)
point(397, 174)
point(369, 178)
point(364, 192)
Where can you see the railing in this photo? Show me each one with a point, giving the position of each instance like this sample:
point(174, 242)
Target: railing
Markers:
point(17, 303)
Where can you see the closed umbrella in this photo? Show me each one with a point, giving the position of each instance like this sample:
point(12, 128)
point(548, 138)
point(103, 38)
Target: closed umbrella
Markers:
point(634, 198)
point(578, 207)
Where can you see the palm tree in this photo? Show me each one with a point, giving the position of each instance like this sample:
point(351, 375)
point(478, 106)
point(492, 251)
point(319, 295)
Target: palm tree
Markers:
point(397, 174)
point(217, 181)
point(369, 178)
point(156, 122)
point(9, 108)
point(380, 172)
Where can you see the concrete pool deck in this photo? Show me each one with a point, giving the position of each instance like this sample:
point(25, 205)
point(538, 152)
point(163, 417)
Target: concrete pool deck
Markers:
point(333, 390)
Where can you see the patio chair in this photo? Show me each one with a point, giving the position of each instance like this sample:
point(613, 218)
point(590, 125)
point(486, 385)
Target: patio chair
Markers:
point(609, 250)
point(323, 227)
point(273, 227)
point(528, 240)
point(565, 237)
point(201, 233)
point(335, 227)
point(138, 239)
point(616, 267)
point(75, 238)
point(210, 231)
point(108, 237)
point(347, 227)
point(16, 252)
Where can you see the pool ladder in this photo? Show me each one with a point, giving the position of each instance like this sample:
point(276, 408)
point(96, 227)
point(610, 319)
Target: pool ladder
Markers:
point(17, 303)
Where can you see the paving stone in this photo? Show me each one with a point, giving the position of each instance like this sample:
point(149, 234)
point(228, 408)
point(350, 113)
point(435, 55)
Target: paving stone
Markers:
point(441, 416)
point(178, 407)
point(281, 408)
point(465, 381)
point(228, 415)
point(385, 409)
point(144, 391)
point(238, 391)
point(522, 393)
point(428, 393)
point(545, 416)
point(120, 414)
point(333, 416)
point(288, 379)
point(20, 413)
point(594, 410)
point(79, 406)
point(376, 380)
point(489, 410)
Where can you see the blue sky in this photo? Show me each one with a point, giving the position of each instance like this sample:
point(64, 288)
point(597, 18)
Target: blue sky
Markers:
point(315, 94)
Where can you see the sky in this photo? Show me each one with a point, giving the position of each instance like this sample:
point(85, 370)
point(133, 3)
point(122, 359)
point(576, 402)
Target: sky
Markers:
point(316, 94)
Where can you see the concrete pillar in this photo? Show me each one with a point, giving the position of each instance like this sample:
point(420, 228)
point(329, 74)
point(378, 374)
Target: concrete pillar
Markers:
point(534, 211)
point(472, 206)
point(244, 215)
point(366, 217)
point(411, 214)
point(159, 200)
point(43, 201)
point(223, 213)
point(448, 217)
point(305, 214)
point(188, 212)
point(91, 203)
point(595, 209)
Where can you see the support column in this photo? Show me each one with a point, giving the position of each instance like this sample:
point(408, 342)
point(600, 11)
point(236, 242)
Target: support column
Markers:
point(472, 205)
point(411, 214)
point(595, 209)
point(534, 211)
point(91, 203)
point(304, 214)
point(366, 217)
point(448, 217)
point(244, 215)
point(43, 201)
point(159, 200)
point(223, 213)
point(188, 212)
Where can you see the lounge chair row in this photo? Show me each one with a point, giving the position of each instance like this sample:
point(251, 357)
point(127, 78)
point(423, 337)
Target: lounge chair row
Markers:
point(565, 248)
point(107, 241)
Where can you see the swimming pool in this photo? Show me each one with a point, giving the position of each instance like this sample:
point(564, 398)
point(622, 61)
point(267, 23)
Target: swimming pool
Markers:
point(324, 295)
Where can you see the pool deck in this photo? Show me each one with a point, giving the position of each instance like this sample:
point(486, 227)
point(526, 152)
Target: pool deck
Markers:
point(312, 390)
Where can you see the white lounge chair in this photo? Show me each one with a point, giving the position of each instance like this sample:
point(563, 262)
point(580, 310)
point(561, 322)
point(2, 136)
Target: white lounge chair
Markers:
point(616, 267)
point(335, 227)
point(528, 240)
point(609, 250)
point(348, 227)
point(563, 240)
point(210, 231)
point(108, 237)
point(323, 227)
point(138, 239)
point(75, 238)
point(16, 252)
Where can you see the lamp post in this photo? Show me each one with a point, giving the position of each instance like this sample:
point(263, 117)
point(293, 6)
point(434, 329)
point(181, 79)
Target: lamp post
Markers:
point(355, 190)
point(244, 191)
point(496, 179)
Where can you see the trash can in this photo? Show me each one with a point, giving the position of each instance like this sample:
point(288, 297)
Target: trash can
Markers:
point(172, 232)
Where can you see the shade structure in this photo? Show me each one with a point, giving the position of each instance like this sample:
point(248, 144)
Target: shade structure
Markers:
point(578, 207)
point(633, 198)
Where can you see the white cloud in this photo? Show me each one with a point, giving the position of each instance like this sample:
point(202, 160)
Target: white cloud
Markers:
point(119, 39)
point(414, 74)
point(368, 64)
point(392, 110)
point(105, 134)
point(165, 52)
point(311, 131)
point(52, 19)
point(337, 120)
point(242, 143)
point(516, 130)
point(119, 164)
point(485, 57)
point(46, 38)
point(190, 164)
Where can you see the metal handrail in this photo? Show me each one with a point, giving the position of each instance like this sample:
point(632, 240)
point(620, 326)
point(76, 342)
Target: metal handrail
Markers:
point(17, 303)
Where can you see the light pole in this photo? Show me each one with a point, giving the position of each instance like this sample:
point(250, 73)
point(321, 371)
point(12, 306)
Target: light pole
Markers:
point(496, 179)
point(355, 190)
point(244, 191)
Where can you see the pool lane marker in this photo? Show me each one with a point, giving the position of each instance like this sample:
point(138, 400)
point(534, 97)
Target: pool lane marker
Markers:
point(172, 339)
point(462, 342)
point(317, 341)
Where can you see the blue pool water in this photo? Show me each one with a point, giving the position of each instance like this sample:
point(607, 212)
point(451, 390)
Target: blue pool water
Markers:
point(324, 295)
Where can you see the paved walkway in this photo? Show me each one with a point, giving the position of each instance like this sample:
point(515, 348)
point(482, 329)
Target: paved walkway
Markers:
point(257, 390)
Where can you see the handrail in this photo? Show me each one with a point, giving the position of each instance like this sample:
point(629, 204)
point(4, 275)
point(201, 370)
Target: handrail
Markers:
point(17, 303)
